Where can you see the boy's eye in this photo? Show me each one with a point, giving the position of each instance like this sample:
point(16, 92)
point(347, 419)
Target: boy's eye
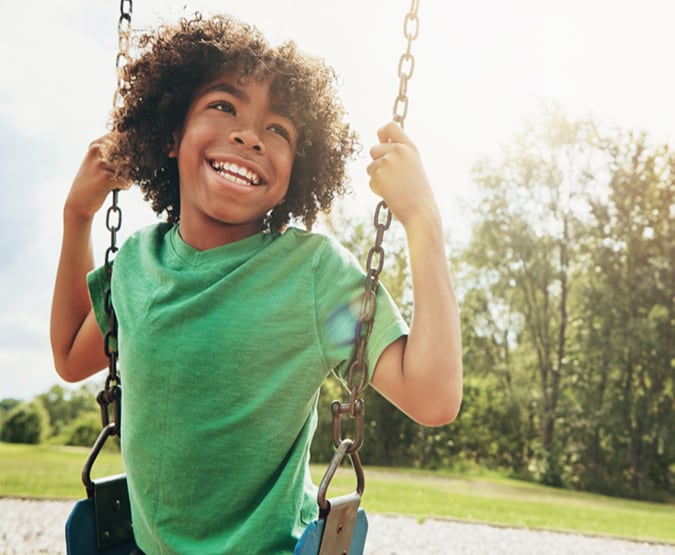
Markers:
point(280, 130)
point(224, 106)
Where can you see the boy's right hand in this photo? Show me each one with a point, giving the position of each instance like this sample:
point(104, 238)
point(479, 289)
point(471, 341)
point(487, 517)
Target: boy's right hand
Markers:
point(94, 180)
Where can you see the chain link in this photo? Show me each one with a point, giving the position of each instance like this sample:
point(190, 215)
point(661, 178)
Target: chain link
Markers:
point(406, 64)
point(358, 369)
point(112, 391)
point(123, 58)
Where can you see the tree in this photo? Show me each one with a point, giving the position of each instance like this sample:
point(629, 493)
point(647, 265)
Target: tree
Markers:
point(572, 286)
point(26, 423)
point(628, 338)
point(64, 406)
point(524, 243)
point(84, 430)
point(6, 405)
point(498, 406)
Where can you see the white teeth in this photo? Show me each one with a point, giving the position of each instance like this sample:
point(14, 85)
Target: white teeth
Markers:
point(236, 173)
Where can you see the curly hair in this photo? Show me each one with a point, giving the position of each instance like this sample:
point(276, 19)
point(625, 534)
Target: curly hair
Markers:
point(174, 61)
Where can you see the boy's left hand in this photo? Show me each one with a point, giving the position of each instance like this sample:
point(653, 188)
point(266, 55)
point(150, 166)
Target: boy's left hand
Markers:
point(397, 175)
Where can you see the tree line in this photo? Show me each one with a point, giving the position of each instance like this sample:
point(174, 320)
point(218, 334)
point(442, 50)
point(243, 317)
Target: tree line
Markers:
point(61, 416)
point(566, 290)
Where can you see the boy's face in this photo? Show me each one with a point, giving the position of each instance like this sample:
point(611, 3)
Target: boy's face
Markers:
point(235, 156)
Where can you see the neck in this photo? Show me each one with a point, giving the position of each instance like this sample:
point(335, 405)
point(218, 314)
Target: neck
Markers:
point(216, 235)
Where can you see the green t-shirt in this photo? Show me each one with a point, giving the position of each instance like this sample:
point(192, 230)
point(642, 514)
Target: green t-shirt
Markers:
point(222, 354)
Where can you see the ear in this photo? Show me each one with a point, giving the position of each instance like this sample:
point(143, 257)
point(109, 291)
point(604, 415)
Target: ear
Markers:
point(175, 142)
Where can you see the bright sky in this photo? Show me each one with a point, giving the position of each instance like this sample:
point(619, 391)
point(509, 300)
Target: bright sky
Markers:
point(481, 66)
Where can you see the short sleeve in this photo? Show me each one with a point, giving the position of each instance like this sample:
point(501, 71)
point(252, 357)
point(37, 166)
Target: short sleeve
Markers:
point(340, 283)
point(97, 281)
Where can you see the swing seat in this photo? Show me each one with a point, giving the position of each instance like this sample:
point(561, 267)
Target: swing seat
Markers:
point(342, 525)
point(313, 538)
point(107, 529)
point(101, 523)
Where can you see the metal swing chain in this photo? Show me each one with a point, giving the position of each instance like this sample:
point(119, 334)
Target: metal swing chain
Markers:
point(122, 59)
point(112, 392)
point(406, 64)
point(358, 370)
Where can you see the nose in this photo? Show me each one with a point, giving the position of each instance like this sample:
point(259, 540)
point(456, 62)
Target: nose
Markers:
point(247, 138)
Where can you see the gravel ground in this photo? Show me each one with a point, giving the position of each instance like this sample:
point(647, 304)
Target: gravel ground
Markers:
point(29, 527)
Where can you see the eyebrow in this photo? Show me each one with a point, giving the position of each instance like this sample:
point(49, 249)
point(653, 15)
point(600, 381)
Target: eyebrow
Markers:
point(227, 88)
point(241, 95)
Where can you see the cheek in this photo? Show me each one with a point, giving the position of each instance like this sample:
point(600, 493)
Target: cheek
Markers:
point(292, 175)
point(283, 191)
point(287, 162)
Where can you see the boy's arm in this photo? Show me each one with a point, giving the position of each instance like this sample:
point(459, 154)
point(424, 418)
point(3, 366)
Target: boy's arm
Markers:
point(421, 375)
point(77, 343)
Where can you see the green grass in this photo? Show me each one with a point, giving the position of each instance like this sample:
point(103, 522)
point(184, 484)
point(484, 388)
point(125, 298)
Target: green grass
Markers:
point(48, 471)
point(496, 500)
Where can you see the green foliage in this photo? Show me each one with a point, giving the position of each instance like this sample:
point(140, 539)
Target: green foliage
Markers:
point(490, 429)
point(64, 406)
point(84, 430)
point(391, 437)
point(627, 340)
point(6, 405)
point(60, 416)
point(570, 305)
point(25, 423)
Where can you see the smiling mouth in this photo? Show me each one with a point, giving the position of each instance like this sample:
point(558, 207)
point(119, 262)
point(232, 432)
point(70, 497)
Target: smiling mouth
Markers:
point(235, 173)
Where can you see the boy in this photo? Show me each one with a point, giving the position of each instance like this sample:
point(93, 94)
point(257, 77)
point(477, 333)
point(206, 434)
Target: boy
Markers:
point(224, 310)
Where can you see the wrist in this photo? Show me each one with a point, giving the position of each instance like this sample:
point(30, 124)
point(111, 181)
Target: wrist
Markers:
point(75, 213)
point(426, 221)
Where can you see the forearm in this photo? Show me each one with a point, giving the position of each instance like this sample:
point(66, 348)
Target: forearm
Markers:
point(70, 304)
point(432, 364)
point(422, 375)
